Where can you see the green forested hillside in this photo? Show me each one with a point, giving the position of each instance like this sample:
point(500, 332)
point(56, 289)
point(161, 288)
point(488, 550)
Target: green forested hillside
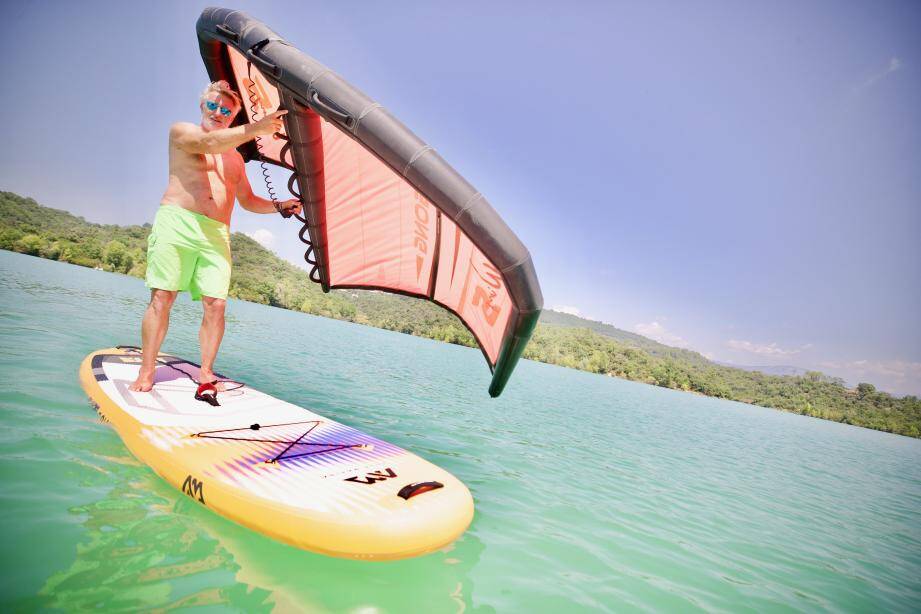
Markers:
point(562, 339)
point(556, 318)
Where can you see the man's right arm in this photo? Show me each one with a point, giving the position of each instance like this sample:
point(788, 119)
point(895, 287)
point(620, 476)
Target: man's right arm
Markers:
point(192, 139)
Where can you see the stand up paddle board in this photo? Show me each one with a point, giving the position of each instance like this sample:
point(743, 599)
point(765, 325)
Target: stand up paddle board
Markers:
point(277, 468)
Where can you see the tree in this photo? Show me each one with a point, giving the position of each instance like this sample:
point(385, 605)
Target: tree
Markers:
point(865, 390)
point(30, 244)
point(9, 237)
point(51, 251)
point(117, 257)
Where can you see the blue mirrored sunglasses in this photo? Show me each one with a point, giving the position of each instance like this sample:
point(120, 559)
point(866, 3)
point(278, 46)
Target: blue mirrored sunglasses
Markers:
point(213, 105)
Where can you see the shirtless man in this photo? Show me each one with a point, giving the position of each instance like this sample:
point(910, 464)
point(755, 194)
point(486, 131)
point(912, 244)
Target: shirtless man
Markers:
point(189, 245)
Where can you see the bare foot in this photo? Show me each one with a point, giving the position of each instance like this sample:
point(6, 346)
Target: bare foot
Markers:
point(144, 382)
point(206, 376)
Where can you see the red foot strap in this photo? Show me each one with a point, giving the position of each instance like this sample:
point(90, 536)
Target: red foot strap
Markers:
point(207, 393)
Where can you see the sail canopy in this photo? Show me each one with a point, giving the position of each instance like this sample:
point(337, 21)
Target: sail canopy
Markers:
point(382, 210)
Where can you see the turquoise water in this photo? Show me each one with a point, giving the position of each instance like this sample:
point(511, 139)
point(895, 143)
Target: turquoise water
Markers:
point(592, 493)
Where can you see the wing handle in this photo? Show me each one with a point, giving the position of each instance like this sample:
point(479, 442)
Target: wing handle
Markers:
point(228, 33)
point(331, 108)
point(411, 490)
point(264, 64)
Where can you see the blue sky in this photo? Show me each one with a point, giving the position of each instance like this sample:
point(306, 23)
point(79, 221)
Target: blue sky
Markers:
point(736, 178)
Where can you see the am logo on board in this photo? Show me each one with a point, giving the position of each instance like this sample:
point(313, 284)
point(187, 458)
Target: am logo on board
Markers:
point(373, 476)
point(193, 488)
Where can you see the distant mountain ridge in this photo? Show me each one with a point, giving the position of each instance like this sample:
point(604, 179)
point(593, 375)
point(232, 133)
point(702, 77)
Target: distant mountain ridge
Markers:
point(559, 318)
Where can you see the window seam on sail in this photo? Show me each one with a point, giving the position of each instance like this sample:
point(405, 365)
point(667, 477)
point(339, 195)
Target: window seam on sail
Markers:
point(361, 206)
point(457, 246)
point(436, 254)
point(401, 260)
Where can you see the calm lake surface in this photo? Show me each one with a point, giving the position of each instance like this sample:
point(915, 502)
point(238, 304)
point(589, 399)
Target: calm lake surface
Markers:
point(592, 493)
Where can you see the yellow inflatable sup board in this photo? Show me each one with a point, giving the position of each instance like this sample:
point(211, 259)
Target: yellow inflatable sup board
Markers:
point(278, 468)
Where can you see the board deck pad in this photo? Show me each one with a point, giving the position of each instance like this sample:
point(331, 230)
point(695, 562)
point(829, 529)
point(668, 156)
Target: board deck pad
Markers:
point(278, 468)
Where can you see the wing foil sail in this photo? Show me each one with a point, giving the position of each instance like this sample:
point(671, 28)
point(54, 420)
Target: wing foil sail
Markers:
point(384, 211)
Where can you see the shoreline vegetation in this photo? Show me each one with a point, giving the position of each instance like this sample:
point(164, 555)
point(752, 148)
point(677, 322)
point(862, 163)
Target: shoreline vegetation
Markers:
point(260, 276)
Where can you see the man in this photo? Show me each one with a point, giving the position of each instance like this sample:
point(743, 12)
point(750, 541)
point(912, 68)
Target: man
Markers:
point(189, 245)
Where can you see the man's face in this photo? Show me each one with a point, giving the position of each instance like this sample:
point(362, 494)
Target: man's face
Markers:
point(214, 111)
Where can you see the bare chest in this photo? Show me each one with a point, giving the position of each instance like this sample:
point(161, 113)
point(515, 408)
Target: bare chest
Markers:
point(225, 167)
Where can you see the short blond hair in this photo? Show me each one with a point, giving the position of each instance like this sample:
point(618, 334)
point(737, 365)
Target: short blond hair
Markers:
point(223, 88)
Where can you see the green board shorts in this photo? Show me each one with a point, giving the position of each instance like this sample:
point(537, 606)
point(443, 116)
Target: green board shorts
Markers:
point(188, 251)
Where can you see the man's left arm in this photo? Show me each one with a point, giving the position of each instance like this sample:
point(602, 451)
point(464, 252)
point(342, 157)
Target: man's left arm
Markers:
point(251, 202)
